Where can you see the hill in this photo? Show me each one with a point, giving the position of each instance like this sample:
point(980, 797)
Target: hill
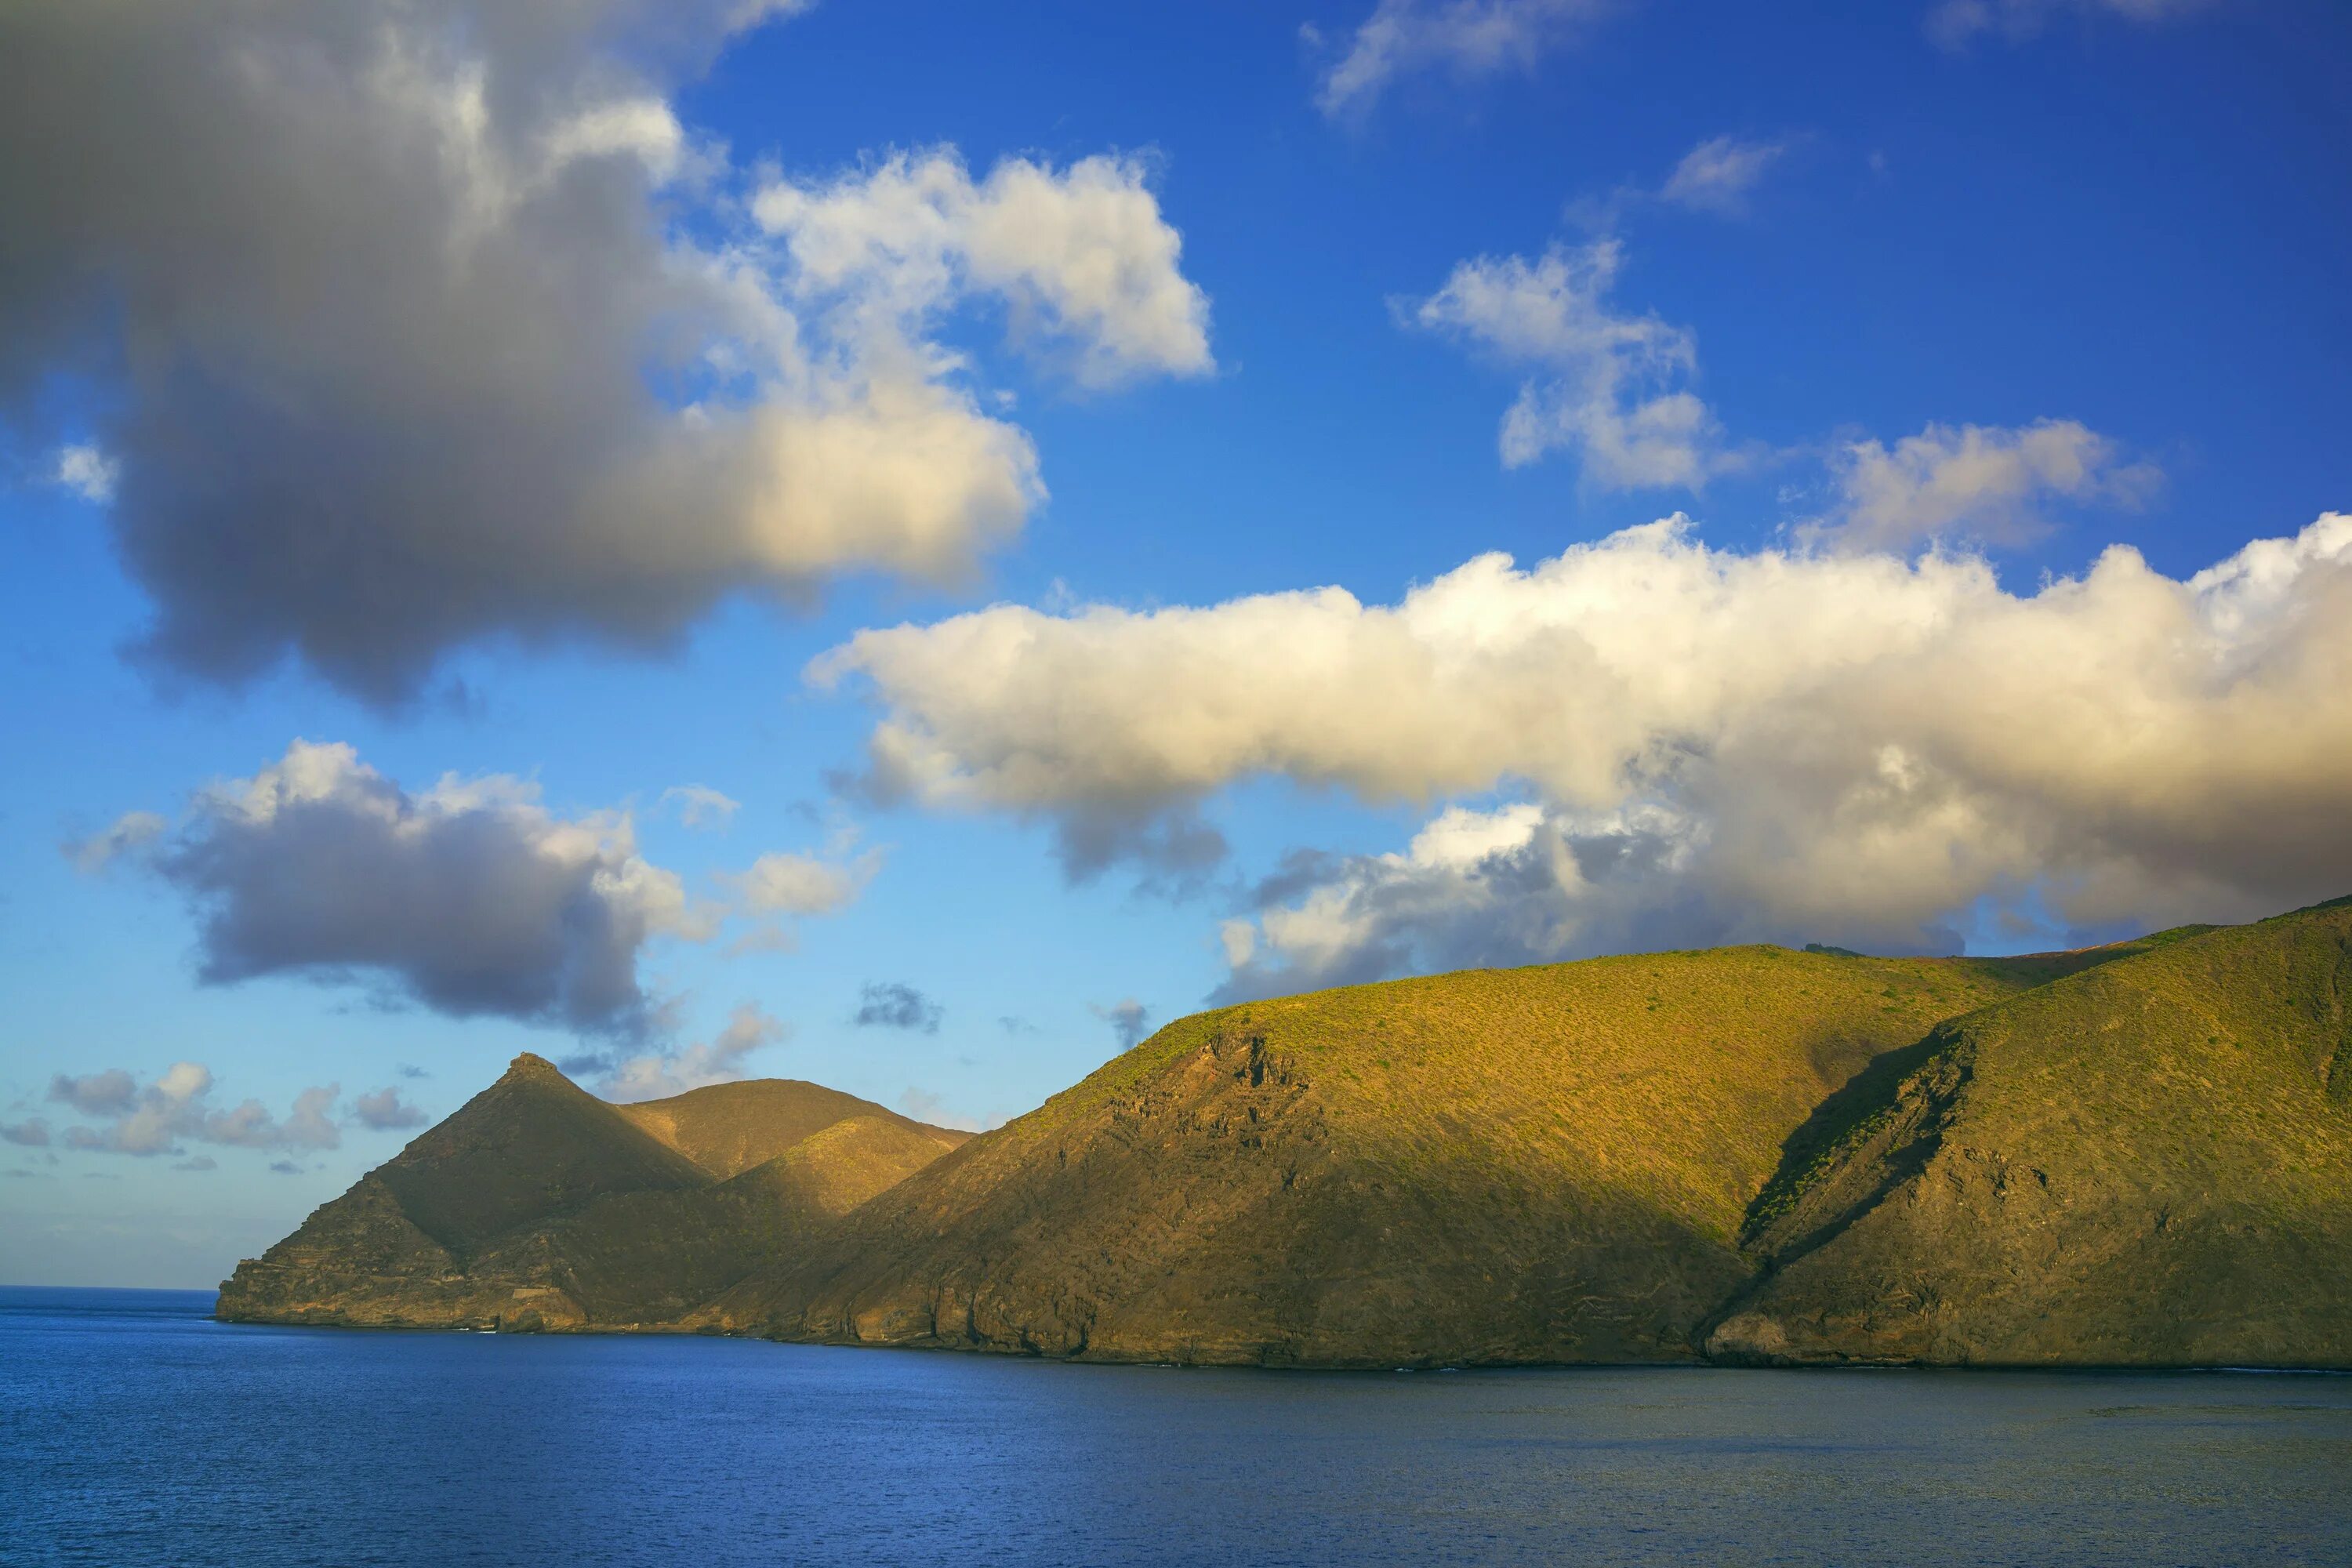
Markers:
point(2147, 1163)
point(537, 1205)
point(2128, 1155)
point(1540, 1164)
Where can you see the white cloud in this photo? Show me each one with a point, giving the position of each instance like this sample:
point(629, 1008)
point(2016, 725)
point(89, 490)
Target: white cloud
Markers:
point(1082, 255)
point(1464, 39)
point(1718, 175)
point(924, 1106)
point(699, 805)
point(1956, 22)
point(156, 1119)
point(1611, 386)
point(460, 336)
point(1842, 747)
point(1979, 483)
point(87, 471)
point(660, 1074)
point(128, 833)
point(802, 884)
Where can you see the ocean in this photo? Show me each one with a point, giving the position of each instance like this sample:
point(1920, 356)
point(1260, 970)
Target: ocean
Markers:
point(135, 1430)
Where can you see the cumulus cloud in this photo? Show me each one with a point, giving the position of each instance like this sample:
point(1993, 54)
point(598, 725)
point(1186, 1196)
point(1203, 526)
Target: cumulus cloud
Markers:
point(1708, 744)
point(699, 805)
point(788, 884)
point(1128, 1018)
point(1956, 22)
point(1464, 38)
point(893, 1004)
point(431, 325)
point(1718, 175)
point(656, 1075)
point(31, 1133)
point(383, 1110)
point(197, 1162)
point(1083, 258)
point(153, 1119)
point(87, 471)
point(1609, 387)
point(469, 898)
point(1975, 484)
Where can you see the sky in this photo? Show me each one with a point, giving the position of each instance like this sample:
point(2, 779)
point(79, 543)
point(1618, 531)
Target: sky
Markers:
point(907, 546)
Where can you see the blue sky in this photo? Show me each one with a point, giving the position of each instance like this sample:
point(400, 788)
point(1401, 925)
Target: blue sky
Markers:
point(2086, 258)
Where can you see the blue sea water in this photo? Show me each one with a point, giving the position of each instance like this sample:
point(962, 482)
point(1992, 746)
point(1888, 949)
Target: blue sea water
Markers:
point(135, 1430)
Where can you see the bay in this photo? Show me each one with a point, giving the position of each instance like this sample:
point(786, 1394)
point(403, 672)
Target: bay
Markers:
point(136, 1430)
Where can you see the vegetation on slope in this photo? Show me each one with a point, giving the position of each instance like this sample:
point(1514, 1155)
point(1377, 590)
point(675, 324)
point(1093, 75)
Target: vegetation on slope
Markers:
point(538, 1205)
point(1533, 1164)
point(2146, 1164)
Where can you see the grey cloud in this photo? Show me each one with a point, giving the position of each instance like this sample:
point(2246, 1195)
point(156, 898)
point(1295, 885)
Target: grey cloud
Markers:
point(286, 1167)
point(404, 1070)
point(383, 1110)
point(199, 1162)
point(107, 1093)
point(32, 1132)
point(1128, 1019)
point(469, 899)
point(429, 326)
point(154, 1118)
point(893, 1004)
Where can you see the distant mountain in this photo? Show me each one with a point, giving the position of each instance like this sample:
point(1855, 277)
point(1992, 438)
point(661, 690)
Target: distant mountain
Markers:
point(2136, 1155)
point(538, 1205)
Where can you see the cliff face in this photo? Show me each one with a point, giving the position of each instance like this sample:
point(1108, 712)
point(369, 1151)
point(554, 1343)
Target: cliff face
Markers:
point(2132, 1155)
point(538, 1205)
point(2149, 1164)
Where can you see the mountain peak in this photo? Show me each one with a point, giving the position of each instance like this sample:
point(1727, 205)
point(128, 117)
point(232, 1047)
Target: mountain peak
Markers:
point(529, 1064)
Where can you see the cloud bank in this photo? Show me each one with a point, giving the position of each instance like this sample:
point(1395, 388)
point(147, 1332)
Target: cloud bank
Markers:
point(1705, 745)
point(157, 1118)
point(431, 325)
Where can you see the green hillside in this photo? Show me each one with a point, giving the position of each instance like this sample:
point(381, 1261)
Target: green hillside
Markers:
point(1549, 1164)
point(2135, 1154)
point(2147, 1163)
point(538, 1205)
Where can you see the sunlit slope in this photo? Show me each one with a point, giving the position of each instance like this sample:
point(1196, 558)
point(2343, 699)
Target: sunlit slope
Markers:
point(729, 1128)
point(2147, 1163)
point(1548, 1164)
point(537, 1205)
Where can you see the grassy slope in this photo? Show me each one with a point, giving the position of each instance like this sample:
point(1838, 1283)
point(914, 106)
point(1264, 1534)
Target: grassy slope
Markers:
point(2147, 1163)
point(1543, 1163)
point(729, 1128)
point(537, 1204)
